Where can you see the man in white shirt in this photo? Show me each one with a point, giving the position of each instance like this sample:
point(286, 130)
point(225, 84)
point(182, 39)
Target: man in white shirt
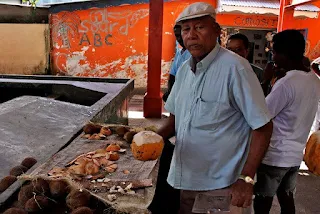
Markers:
point(292, 103)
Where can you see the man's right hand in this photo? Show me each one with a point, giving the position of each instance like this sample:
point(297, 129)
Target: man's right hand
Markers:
point(165, 96)
point(269, 72)
point(168, 129)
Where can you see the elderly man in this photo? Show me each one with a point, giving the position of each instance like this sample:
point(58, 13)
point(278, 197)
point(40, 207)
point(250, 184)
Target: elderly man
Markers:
point(220, 118)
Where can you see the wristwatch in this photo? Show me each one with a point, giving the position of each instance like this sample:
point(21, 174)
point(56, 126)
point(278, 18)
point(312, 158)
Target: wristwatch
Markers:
point(247, 179)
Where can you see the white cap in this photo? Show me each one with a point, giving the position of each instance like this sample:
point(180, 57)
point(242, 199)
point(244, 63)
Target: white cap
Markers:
point(197, 10)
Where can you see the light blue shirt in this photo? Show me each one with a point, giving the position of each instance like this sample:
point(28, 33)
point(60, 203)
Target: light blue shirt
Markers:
point(215, 110)
point(179, 58)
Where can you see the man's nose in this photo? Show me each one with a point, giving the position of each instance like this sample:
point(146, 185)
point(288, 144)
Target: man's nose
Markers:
point(192, 34)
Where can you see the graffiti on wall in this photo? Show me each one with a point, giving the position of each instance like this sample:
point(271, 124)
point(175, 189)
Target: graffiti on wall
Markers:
point(248, 21)
point(102, 24)
point(64, 26)
point(97, 30)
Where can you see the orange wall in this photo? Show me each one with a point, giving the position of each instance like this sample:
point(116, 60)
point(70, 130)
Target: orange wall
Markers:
point(110, 42)
point(113, 41)
point(313, 37)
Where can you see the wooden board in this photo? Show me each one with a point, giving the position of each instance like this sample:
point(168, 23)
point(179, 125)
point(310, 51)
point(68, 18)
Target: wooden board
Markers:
point(139, 174)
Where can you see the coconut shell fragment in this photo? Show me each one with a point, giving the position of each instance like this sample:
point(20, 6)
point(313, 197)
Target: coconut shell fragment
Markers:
point(113, 148)
point(114, 156)
point(105, 131)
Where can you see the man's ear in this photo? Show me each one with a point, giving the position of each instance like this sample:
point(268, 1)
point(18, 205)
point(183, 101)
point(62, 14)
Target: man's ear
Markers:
point(247, 53)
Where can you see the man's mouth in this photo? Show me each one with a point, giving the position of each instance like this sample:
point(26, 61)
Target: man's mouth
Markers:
point(194, 47)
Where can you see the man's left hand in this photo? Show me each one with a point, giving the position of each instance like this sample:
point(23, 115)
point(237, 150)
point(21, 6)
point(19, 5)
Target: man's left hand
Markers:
point(241, 194)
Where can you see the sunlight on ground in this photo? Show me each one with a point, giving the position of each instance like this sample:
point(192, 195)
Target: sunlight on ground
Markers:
point(303, 166)
point(139, 114)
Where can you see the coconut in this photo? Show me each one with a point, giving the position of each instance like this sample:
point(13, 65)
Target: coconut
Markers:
point(29, 162)
point(6, 182)
point(82, 210)
point(129, 136)
point(18, 170)
point(15, 211)
point(58, 188)
point(25, 193)
point(91, 128)
point(78, 198)
point(121, 131)
point(37, 203)
point(40, 186)
point(105, 131)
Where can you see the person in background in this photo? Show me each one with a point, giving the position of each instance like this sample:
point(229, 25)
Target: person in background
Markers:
point(182, 54)
point(268, 48)
point(219, 115)
point(272, 73)
point(293, 113)
point(239, 44)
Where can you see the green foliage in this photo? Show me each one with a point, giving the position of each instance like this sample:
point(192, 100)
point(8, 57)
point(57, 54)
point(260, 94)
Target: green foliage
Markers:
point(31, 2)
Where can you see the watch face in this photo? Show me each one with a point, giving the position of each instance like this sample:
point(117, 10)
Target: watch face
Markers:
point(248, 179)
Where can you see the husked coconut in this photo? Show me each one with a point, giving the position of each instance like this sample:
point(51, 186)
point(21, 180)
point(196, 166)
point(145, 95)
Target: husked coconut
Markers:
point(26, 192)
point(37, 203)
point(15, 211)
point(58, 188)
point(29, 162)
point(78, 198)
point(82, 210)
point(6, 182)
point(18, 170)
point(91, 128)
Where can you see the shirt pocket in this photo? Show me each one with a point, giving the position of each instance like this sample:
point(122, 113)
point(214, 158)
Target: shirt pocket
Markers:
point(206, 115)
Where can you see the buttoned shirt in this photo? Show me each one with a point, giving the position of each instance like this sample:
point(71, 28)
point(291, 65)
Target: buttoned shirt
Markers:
point(216, 107)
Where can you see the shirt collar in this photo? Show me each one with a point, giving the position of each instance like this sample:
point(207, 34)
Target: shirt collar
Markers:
point(205, 62)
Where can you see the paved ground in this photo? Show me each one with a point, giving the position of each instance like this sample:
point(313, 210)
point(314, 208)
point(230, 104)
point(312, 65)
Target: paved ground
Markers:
point(308, 186)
